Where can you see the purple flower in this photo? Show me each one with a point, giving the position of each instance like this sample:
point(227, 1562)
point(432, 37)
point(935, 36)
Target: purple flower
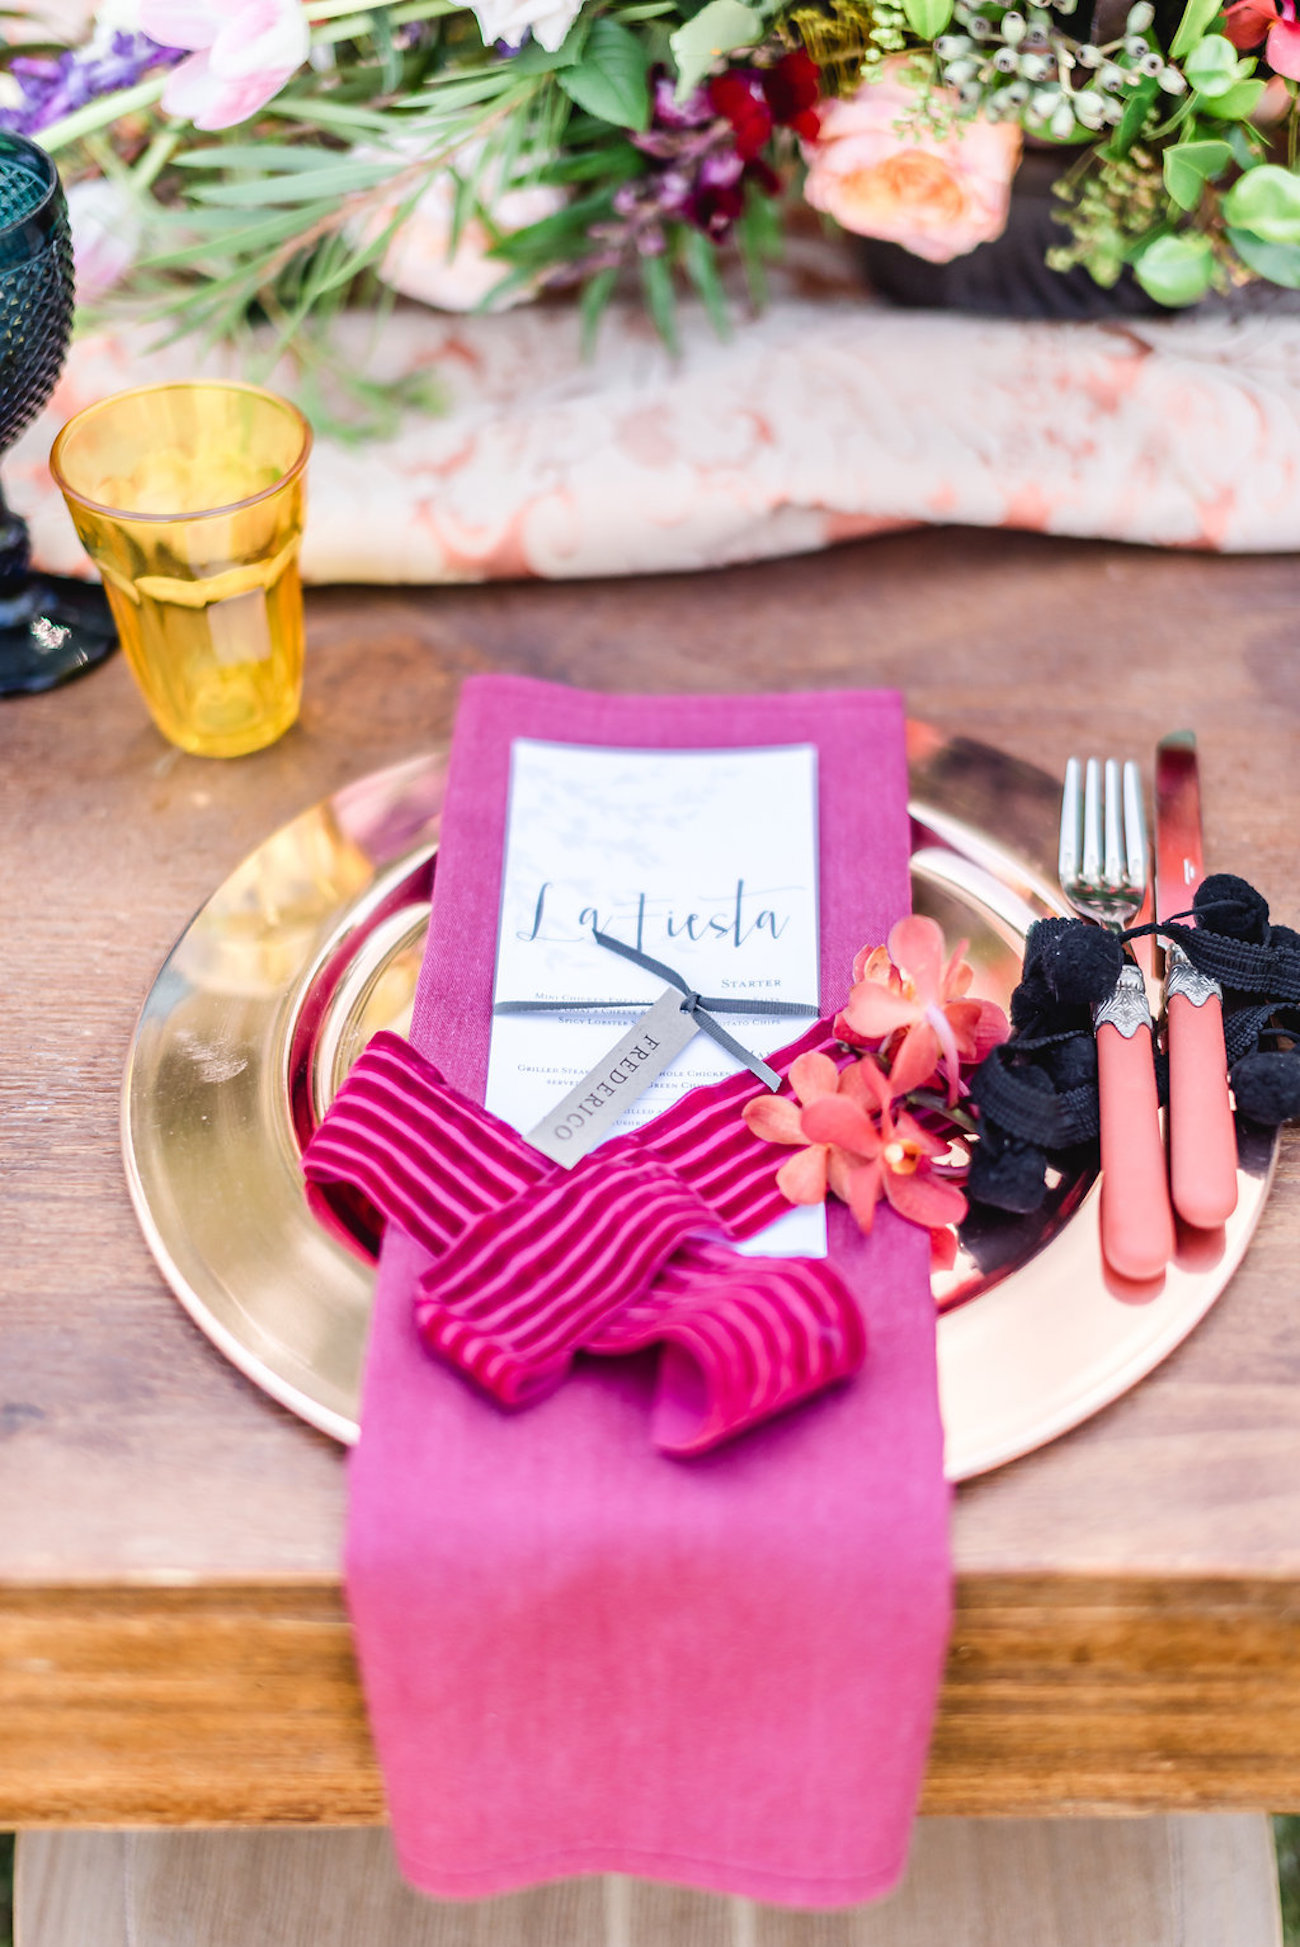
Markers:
point(52, 89)
point(694, 112)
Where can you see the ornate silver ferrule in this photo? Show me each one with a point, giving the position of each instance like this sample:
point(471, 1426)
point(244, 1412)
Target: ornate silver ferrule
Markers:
point(1181, 977)
point(1126, 1009)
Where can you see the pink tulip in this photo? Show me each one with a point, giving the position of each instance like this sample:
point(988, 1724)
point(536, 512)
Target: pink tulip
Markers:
point(243, 53)
point(106, 231)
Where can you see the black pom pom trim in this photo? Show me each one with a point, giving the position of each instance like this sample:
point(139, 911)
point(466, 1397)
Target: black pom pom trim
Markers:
point(1008, 1174)
point(1081, 965)
point(1267, 1087)
point(1226, 904)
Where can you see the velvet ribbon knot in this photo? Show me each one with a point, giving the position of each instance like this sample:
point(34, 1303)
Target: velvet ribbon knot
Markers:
point(532, 1263)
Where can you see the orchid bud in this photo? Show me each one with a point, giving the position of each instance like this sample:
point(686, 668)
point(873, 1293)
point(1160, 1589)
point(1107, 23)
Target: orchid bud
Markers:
point(1140, 17)
point(1172, 81)
point(1013, 28)
point(1062, 123)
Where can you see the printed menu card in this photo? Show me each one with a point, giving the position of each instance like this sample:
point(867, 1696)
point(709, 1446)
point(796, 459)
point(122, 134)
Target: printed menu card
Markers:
point(705, 860)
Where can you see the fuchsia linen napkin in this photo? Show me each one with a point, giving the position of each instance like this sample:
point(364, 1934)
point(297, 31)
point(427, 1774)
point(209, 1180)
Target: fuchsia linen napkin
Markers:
point(579, 1655)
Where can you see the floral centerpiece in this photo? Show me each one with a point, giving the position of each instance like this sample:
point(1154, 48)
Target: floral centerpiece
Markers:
point(272, 158)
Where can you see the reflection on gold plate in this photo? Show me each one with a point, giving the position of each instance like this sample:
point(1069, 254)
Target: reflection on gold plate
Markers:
point(315, 943)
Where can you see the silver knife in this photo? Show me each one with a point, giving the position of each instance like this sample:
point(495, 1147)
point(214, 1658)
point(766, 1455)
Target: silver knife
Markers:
point(1202, 1134)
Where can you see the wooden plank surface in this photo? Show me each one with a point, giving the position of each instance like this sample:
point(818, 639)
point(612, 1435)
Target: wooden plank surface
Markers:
point(1128, 1597)
point(1173, 1882)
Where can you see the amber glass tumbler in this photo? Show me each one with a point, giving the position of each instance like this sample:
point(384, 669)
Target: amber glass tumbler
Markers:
point(189, 500)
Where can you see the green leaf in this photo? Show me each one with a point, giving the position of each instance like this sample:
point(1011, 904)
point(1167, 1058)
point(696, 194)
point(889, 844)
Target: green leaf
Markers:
point(381, 27)
point(553, 238)
point(262, 156)
point(661, 299)
point(610, 80)
point(596, 293)
point(759, 239)
point(1267, 203)
point(1197, 16)
point(1134, 118)
point(1213, 66)
point(701, 259)
point(928, 18)
point(1175, 270)
point(1247, 145)
point(1190, 165)
point(260, 192)
point(1237, 104)
point(1279, 263)
point(717, 29)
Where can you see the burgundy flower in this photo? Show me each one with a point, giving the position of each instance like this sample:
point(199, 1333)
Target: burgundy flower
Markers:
point(738, 95)
point(792, 90)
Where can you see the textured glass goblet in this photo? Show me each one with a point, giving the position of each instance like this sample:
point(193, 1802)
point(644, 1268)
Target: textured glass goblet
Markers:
point(49, 630)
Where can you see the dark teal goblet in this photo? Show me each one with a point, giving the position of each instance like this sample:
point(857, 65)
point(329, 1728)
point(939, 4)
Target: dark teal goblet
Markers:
point(50, 629)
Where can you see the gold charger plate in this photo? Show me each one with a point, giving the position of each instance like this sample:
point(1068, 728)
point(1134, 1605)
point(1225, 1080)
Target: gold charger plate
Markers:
point(314, 944)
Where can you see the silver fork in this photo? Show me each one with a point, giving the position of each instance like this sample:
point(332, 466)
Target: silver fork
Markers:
point(1103, 873)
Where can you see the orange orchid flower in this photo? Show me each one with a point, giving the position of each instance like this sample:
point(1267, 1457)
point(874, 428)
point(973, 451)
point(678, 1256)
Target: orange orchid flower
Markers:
point(853, 1141)
point(907, 994)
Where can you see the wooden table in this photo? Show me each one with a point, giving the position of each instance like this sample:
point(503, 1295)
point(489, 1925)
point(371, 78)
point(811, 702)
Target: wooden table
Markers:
point(173, 1644)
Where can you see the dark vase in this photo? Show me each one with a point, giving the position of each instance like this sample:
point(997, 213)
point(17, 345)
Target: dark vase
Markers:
point(1008, 278)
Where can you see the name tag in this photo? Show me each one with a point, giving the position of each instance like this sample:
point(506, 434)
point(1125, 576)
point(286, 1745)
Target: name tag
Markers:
point(580, 1122)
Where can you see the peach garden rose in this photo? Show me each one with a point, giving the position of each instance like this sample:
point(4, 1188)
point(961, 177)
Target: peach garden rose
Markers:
point(936, 198)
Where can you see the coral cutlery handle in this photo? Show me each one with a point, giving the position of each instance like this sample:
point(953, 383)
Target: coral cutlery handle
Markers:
point(1137, 1224)
point(1202, 1135)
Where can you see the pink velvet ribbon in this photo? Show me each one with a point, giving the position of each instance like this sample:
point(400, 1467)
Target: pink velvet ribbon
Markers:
point(533, 1263)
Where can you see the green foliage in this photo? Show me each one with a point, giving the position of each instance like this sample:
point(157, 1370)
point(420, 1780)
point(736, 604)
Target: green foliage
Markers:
point(1135, 117)
point(1197, 16)
point(1237, 102)
point(758, 237)
point(717, 29)
point(596, 293)
point(610, 81)
point(928, 18)
point(1286, 1834)
point(1176, 270)
point(288, 217)
point(1267, 203)
point(700, 256)
point(661, 299)
point(1214, 66)
point(1278, 262)
point(1188, 166)
point(1111, 205)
